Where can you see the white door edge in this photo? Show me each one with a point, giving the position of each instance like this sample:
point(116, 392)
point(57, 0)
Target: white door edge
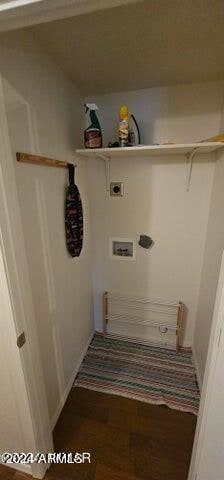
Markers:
point(217, 325)
point(15, 264)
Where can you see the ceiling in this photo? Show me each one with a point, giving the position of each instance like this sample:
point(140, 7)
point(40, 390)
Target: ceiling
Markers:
point(147, 44)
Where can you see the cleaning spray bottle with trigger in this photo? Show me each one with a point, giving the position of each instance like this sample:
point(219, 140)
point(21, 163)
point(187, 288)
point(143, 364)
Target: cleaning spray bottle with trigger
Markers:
point(93, 133)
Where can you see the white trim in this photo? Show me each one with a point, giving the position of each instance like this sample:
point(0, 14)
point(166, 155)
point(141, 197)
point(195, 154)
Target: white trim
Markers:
point(70, 383)
point(11, 4)
point(46, 245)
point(20, 467)
point(24, 13)
point(197, 369)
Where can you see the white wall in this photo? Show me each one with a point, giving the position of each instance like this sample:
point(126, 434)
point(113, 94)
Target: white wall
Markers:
point(211, 265)
point(168, 114)
point(155, 200)
point(46, 117)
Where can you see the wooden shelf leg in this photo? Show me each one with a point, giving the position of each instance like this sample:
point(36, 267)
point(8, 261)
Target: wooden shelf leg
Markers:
point(179, 325)
point(105, 312)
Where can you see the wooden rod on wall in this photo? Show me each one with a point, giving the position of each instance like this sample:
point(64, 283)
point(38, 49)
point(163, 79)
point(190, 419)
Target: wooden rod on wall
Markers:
point(38, 160)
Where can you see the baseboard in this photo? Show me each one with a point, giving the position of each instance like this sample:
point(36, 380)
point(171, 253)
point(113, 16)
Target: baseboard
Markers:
point(197, 369)
point(21, 467)
point(65, 394)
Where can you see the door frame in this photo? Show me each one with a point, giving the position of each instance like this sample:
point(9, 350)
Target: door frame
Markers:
point(205, 409)
point(23, 13)
point(12, 247)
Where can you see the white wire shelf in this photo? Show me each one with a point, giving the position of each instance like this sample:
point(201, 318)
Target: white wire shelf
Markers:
point(151, 150)
point(140, 321)
point(159, 317)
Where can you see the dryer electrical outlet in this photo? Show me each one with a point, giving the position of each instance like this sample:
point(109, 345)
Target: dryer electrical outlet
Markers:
point(116, 189)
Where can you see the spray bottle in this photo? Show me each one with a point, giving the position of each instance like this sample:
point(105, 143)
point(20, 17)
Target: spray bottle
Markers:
point(93, 133)
point(123, 126)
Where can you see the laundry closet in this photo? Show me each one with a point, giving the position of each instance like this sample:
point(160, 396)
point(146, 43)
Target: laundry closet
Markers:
point(170, 191)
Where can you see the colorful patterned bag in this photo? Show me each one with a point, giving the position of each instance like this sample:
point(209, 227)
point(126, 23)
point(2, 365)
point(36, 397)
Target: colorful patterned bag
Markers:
point(73, 217)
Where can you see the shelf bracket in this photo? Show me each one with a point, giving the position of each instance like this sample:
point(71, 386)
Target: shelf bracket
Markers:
point(190, 158)
point(106, 160)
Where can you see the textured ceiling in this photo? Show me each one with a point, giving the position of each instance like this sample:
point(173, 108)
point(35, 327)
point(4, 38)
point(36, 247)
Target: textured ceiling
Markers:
point(153, 43)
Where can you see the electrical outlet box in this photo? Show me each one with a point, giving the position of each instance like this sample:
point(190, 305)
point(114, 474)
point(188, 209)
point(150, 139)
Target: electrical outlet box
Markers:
point(116, 189)
point(123, 248)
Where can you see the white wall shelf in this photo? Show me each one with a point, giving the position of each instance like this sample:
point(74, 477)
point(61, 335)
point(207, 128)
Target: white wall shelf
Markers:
point(151, 150)
point(187, 149)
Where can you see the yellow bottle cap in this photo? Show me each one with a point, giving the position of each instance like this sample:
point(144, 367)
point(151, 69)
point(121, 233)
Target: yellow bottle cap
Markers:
point(123, 112)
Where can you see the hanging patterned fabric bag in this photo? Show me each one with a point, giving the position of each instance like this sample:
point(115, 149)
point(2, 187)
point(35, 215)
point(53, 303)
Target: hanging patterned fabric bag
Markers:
point(73, 217)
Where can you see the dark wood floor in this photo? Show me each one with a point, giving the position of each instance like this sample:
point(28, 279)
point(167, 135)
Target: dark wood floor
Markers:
point(127, 440)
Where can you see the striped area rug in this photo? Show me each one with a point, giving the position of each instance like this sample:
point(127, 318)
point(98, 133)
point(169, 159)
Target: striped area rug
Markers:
point(142, 372)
